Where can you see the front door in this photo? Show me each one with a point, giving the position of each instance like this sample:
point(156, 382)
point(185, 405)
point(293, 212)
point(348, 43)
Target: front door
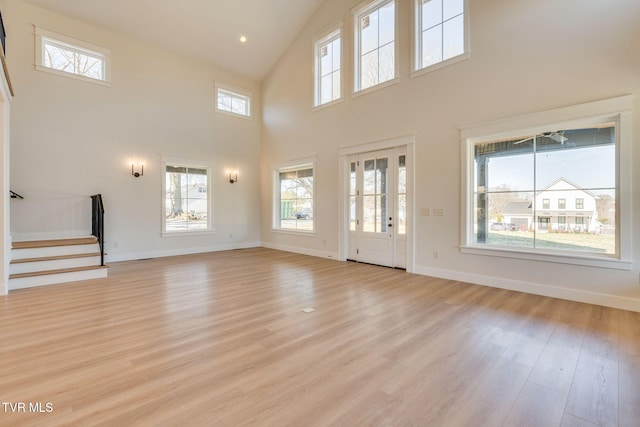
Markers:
point(377, 208)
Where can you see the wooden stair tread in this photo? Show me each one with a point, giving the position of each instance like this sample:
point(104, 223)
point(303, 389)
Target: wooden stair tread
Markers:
point(54, 258)
point(60, 271)
point(52, 243)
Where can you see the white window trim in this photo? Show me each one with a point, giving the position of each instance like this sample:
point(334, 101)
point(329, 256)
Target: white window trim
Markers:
point(237, 91)
point(336, 31)
point(416, 59)
point(92, 49)
point(304, 163)
point(170, 161)
point(617, 110)
point(365, 8)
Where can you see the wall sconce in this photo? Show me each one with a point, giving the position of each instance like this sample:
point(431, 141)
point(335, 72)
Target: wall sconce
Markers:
point(137, 174)
point(233, 177)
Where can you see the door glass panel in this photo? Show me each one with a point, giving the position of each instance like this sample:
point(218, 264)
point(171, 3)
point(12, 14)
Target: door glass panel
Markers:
point(369, 175)
point(352, 196)
point(369, 213)
point(381, 202)
point(374, 199)
point(401, 216)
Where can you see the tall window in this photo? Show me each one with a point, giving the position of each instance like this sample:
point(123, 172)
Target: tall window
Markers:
point(295, 199)
point(234, 101)
point(59, 54)
point(375, 47)
point(328, 59)
point(187, 198)
point(439, 31)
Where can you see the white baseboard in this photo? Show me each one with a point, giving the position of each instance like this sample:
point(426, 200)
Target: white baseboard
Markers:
point(299, 250)
point(131, 256)
point(614, 301)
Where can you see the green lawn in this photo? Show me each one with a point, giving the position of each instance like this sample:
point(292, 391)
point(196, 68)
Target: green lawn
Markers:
point(602, 243)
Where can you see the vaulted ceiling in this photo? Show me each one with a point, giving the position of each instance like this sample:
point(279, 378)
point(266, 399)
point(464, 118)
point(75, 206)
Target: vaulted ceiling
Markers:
point(208, 30)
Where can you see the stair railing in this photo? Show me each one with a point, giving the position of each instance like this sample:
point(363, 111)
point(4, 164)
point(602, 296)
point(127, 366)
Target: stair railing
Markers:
point(97, 222)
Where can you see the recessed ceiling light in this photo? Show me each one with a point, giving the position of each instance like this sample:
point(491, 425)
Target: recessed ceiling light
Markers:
point(243, 39)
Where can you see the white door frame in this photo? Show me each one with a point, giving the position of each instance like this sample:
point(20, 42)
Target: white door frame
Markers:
point(408, 142)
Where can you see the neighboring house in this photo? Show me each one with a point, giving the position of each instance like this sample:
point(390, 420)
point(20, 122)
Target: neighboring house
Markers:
point(564, 206)
point(519, 213)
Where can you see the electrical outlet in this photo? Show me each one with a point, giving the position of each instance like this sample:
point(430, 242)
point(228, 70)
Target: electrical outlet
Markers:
point(436, 255)
point(114, 244)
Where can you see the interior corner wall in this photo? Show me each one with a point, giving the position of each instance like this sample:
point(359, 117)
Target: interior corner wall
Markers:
point(70, 138)
point(526, 57)
point(5, 136)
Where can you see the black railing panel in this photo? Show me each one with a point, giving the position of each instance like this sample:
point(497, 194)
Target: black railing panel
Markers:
point(3, 35)
point(97, 222)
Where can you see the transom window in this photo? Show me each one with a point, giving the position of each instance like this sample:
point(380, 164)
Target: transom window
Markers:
point(439, 31)
point(233, 101)
point(59, 54)
point(375, 47)
point(295, 199)
point(328, 59)
point(187, 197)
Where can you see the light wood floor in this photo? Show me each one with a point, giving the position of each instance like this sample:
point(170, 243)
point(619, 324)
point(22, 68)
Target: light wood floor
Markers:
point(221, 339)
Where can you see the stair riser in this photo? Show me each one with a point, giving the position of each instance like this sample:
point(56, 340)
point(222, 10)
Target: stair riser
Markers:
point(29, 282)
point(29, 267)
point(54, 251)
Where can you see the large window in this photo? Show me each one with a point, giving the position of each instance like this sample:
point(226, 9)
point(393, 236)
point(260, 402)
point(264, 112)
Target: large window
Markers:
point(439, 31)
point(295, 199)
point(187, 199)
point(328, 59)
point(59, 54)
point(233, 101)
point(534, 169)
point(551, 192)
point(375, 47)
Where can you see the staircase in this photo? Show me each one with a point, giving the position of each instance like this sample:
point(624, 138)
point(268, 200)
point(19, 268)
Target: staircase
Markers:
point(37, 259)
point(46, 262)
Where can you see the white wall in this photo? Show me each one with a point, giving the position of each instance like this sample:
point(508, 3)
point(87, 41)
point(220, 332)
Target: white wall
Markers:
point(5, 147)
point(71, 138)
point(525, 57)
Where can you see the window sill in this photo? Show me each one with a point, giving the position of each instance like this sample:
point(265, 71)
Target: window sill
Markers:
point(294, 232)
point(73, 76)
point(327, 104)
point(187, 233)
point(232, 114)
point(557, 258)
point(370, 89)
point(428, 69)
